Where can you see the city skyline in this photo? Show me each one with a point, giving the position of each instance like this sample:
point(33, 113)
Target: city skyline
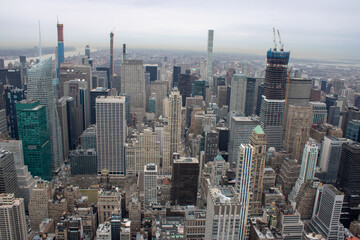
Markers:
point(238, 27)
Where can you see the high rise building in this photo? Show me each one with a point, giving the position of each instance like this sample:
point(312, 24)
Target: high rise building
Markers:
point(33, 131)
point(185, 83)
point(319, 112)
point(107, 202)
point(111, 58)
point(110, 131)
point(88, 138)
point(93, 95)
point(238, 93)
point(288, 175)
point(115, 223)
point(353, 130)
point(288, 223)
point(307, 170)
point(100, 78)
point(174, 127)
point(38, 206)
point(243, 186)
point(69, 72)
point(198, 88)
point(273, 100)
point(222, 96)
point(150, 184)
point(40, 88)
point(209, 59)
point(298, 124)
point(87, 51)
point(327, 219)
point(176, 73)
point(13, 95)
point(160, 90)
point(240, 131)
point(258, 142)
point(223, 214)
point(330, 158)
point(61, 107)
point(153, 70)
point(142, 150)
point(184, 179)
point(60, 47)
point(348, 181)
point(83, 161)
point(12, 217)
point(211, 145)
point(8, 178)
point(133, 83)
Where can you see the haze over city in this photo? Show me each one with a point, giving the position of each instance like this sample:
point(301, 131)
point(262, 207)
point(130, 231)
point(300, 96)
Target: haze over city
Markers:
point(310, 29)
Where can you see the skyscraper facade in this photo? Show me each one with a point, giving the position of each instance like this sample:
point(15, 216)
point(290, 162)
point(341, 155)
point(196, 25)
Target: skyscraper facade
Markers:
point(243, 186)
point(330, 158)
point(319, 112)
point(150, 183)
point(133, 83)
point(34, 133)
point(238, 93)
point(8, 178)
point(13, 95)
point(110, 134)
point(60, 47)
point(209, 61)
point(40, 88)
point(273, 100)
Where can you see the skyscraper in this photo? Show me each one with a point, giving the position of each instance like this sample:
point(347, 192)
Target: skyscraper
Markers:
point(209, 56)
point(273, 100)
point(38, 206)
point(258, 142)
point(319, 112)
point(238, 93)
point(60, 47)
point(184, 179)
point(327, 219)
point(133, 83)
point(40, 88)
point(34, 133)
point(111, 59)
point(150, 183)
point(243, 186)
point(307, 170)
point(13, 95)
point(8, 178)
point(330, 158)
point(110, 132)
point(12, 217)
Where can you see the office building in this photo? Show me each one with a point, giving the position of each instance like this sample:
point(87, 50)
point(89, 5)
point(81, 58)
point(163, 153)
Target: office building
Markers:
point(153, 70)
point(40, 88)
point(8, 178)
point(184, 179)
point(211, 145)
point(353, 130)
point(195, 220)
point(209, 60)
point(160, 90)
point(350, 113)
point(142, 150)
point(83, 161)
point(319, 113)
point(273, 103)
point(93, 95)
point(13, 95)
point(330, 158)
point(110, 134)
point(223, 214)
point(327, 219)
point(199, 88)
point(107, 202)
point(33, 131)
point(288, 175)
point(240, 131)
point(88, 138)
point(176, 73)
point(38, 206)
point(150, 184)
point(238, 93)
point(100, 78)
point(288, 223)
point(133, 83)
point(258, 142)
point(115, 222)
point(348, 181)
point(307, 170)
point(334, 115)
point(60, 47)
point(221, 99)
point(12, 218)
point(218, 170)
point(185, 83)
point(298, 124)
point(299, 91)
point(62, 109)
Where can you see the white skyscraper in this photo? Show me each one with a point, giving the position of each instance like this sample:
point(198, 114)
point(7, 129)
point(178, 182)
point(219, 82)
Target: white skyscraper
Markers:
point(40, 87)
point(12, 218)
point(307, 171)
point(110, 134)
point(150, 183)
point(243, 186)
point(238, 93)
point(133, 83)
point(209, 56)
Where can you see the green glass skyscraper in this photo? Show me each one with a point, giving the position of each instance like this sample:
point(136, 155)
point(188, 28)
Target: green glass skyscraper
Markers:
point(34, 133)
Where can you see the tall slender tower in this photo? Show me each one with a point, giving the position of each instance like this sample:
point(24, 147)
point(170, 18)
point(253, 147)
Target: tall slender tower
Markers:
point(110, 134)
point(209, 56)
point(258, 142)
point(273, 99)
point(60, 47)
point(124, 53)
point(243, 186)
point(174, 121)
point(111, 57)
point(40, 87)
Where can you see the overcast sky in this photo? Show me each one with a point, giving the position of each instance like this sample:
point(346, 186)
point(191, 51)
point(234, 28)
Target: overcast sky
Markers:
point(309, 28)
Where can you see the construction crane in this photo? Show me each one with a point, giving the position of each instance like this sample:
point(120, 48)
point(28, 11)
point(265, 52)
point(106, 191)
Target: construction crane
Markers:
point(286, 96)
point(274, 39)
point(280, 43)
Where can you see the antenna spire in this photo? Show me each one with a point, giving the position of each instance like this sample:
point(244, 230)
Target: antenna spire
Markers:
point(40, 54)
